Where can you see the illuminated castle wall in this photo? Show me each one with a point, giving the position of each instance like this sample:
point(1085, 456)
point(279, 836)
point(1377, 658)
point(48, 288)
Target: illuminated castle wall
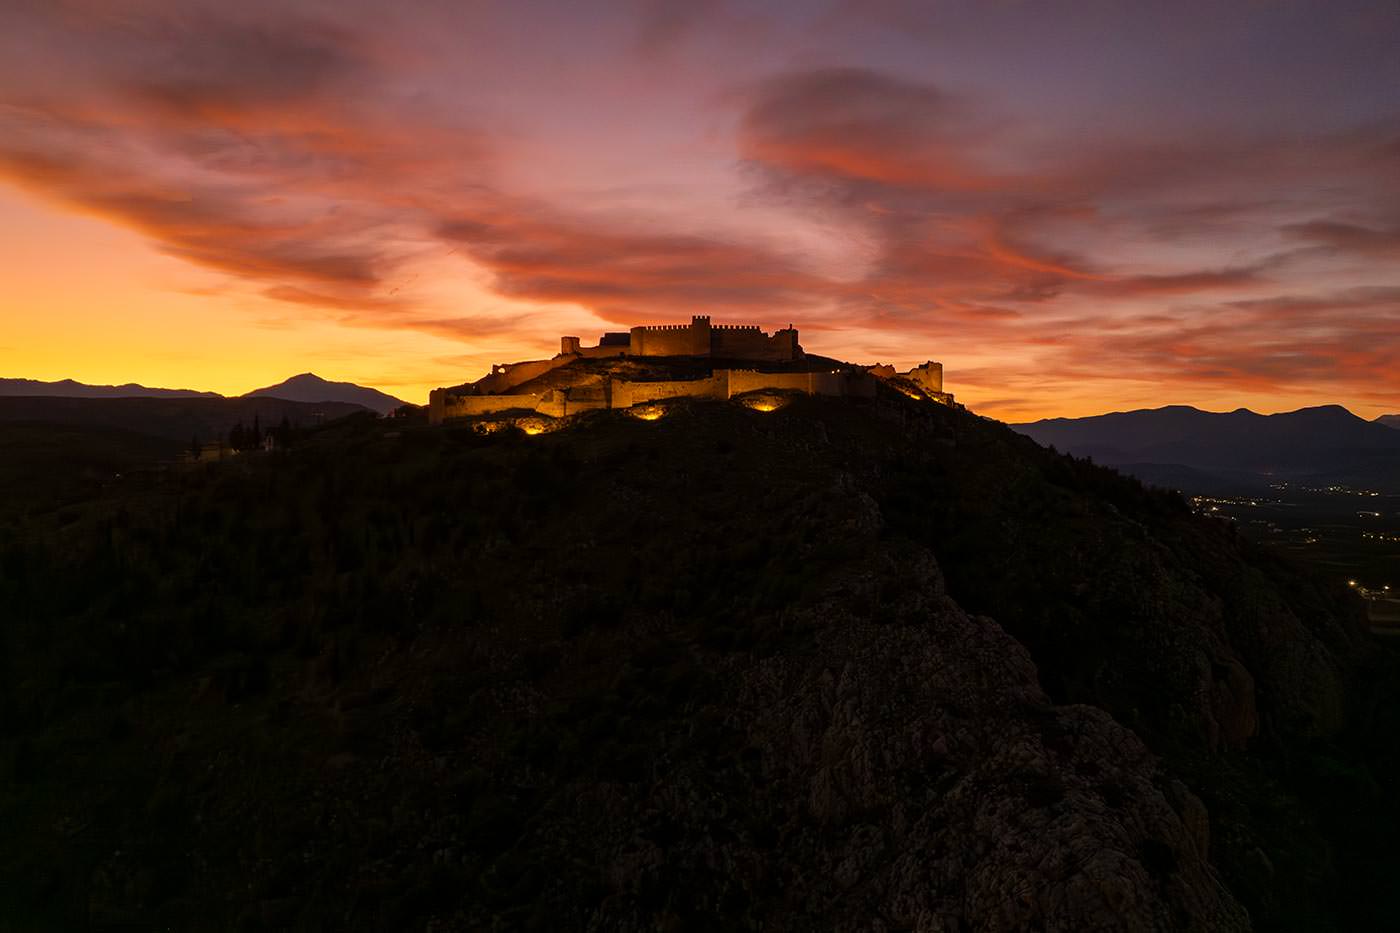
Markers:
point(624, 393)
point(701, 338)
point(928, 376)
point(698, 338)
point(722, 343)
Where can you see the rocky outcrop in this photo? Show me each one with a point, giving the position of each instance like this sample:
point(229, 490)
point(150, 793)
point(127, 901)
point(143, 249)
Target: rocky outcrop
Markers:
point(913, 775)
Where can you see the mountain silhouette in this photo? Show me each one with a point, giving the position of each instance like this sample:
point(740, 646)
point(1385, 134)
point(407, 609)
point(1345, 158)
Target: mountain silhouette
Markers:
point(175, 420)
point(308, 387)
point(1390, 421)
point(68, 388)
point(1323, 441)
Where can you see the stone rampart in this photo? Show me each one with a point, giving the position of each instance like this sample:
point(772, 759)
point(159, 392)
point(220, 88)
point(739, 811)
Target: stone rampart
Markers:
point(819, 383)
point(750, 343)
point(506, 376)
point(560, 403)
point(626, 394)
point(602, 352)
point(691, 339)
point(928, 376)
point(462, 406)
point(698, 338)
point(622, 393)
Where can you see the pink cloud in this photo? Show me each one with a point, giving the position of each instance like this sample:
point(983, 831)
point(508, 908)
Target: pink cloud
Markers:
point(303, 159)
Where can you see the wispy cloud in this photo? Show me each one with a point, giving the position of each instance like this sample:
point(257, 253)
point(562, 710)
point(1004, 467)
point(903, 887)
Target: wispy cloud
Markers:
point(314, 159)
point(1080, 252)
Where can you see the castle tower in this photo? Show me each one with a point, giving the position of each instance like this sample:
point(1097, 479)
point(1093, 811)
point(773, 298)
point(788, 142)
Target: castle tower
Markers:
point(786, 345)
point(928, 375)
point(700, 334)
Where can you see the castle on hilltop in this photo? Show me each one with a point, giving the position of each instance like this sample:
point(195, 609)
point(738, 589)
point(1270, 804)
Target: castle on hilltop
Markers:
point(699, 360)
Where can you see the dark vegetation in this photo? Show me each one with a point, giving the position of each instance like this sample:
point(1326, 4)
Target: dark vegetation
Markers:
point(44, 465)
point(242, 437)
point(364, 683)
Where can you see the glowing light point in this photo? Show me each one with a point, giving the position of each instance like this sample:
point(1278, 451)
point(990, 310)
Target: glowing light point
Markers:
point(534, 426)
point(764, 403)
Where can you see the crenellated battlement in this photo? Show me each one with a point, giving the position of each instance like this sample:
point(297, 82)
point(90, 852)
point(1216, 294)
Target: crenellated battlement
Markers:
point(698, 338)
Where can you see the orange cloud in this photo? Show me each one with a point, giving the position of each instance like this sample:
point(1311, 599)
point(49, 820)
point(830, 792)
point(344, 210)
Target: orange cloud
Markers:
point(630, 274)
point(300, 159)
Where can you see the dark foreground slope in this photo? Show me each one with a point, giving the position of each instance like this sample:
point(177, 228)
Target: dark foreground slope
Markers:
point(703, 672)
point(44, 466)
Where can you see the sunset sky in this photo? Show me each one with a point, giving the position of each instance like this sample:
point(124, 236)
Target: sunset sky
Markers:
point(1076, 206)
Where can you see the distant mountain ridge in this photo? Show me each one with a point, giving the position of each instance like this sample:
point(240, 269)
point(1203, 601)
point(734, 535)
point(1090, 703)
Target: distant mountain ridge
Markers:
point(175, 420)
point(1390, 421)
point(1326, 441)
point(308, 387)
point(68, 388)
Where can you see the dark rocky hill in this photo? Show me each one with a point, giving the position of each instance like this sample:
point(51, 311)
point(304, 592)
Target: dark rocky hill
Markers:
point(1390, 421)
point(844, 665)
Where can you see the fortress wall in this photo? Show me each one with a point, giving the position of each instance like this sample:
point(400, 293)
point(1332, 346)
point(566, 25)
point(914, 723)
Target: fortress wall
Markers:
point(861, 385)
point(745, 342)
point(725, 383)
point(514, 374)
point(701, 338)
point(553, 404)
point(635, 393)
point(598, 353)
point(929, 376)
point(575, 405)
point(579, 399)
point(671, 340)
point(746, 380)
point(460, 406)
